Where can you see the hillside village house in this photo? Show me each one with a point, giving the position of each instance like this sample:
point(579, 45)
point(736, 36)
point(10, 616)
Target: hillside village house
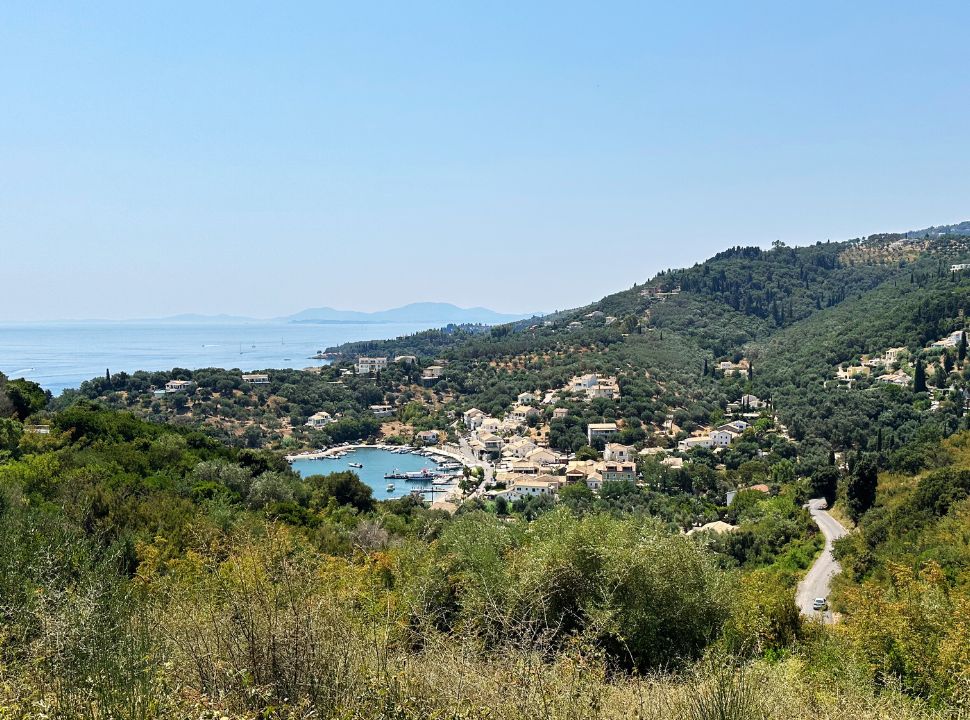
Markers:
point(490, 424)
point(693, 442)
point(525, 397)
point(519, 447)
point(560, 413)
point(432, 374)
point(174, 386)
point(950, 341)
point(428, 437)
point(729, 368)
point(594, 481)
point(746, 403)
point(544, 456)
point(256, 378)
point(533, 486)
point(406, 359)
point(593, 386)
point(472, 418)
point(367, 365)
point(619, 472)
point(960, 266)
point(382, 410)
point(319, 420)
point(600, 430)
point(617, 452)
point(522, 413)
point(896, 378)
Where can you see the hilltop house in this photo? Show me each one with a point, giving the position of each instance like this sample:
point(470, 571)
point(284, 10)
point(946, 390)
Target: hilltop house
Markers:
point(600, 430)
point(367, 365)
point(319, 420)
point(256, 378)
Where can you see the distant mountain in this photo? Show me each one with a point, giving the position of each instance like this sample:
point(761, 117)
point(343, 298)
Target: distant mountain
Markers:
point(426, 312)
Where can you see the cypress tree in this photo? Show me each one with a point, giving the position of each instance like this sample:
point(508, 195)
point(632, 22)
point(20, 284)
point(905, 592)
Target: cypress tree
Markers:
point(962, 347)
point(860, 490)
point(919, 381)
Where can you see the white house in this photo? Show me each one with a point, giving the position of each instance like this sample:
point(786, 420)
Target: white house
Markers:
point(406, 359)
point(544, 456)
point(174, 386)
point(520, 448)
point(490, 424)
point(319, 420)
point(472, 418)
point(694, 442)
point(617, 452)
point(366, 365)
point(559, 413)
point(722, 438)
point(525, 397)
point(521, 413)
point(533, 486)
point(428, 437)
point(600, 430)
point(256, 378)
point(382, 410)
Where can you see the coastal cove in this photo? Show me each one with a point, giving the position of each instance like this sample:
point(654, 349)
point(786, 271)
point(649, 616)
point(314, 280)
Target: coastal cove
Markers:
point(63, 355)
point(377, 462)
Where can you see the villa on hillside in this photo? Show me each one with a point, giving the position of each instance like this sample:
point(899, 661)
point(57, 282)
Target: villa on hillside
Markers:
point(600, 430)
point(522, 413)
point(175, 386)
point(256, 378)
point(472, 418)
point(619, 472)
point(560, 413)
point(382, 410)
point(593, 385)
point(729, 368)
point(617, 452)
point(897, 378)
point(432, 374)
point(428, 437)
point(319, 420)
point(406, 359)
point(367, 365)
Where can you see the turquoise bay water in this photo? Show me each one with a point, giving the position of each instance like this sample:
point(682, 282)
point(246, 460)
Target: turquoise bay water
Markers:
point(376, 463)
point(63, 355)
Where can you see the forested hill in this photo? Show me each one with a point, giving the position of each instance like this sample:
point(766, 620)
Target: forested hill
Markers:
point(795, 313)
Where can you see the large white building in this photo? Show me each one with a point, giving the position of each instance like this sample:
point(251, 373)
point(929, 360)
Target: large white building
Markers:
point(366, 365)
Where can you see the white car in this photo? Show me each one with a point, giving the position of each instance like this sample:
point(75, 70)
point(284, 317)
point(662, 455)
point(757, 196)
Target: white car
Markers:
point(820, 604)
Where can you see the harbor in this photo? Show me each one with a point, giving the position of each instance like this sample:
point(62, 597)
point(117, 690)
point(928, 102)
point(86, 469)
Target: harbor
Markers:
point(391, 471)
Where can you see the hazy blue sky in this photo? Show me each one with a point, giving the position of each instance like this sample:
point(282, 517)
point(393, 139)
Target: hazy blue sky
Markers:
point(158, 158)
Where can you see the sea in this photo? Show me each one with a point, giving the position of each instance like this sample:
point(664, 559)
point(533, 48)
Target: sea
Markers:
point(63, 355)
point(376, 463)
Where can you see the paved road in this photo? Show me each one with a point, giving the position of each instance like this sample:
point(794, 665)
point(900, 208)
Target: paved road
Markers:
point(489, 469)
point(817, 582)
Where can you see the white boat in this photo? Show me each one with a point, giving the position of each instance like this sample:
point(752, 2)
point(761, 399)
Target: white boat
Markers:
point(356, 465)
point(390, 487)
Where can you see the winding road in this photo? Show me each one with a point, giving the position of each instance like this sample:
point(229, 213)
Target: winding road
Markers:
point(817, 582)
